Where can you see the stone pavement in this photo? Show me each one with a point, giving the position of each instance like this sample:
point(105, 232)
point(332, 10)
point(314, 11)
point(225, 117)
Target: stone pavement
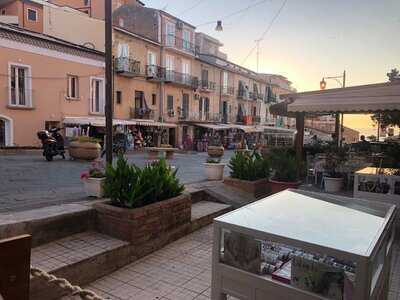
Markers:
point(182, 270)
point(27, 181)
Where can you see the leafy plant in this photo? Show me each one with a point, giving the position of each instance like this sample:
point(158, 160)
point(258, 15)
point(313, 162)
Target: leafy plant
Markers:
point(248, 166)
point(334, 159)
point(284, 164)
point(85, 139)
point(129, 186)
point(213, 161)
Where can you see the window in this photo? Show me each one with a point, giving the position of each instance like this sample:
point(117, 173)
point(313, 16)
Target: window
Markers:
point(186, 71)
point(151, 58)
point(169, 67)
point(32, 15)
point(185, 106)
point(186, 40)
point(204, 79)
point(170, 29)
point(170, 103)
point(97, 95)
point(123, 50)
point(225, 82)
point(119, 97)
point(20, 82)
point(139, 99)
point(73, 87)
point(153, 99)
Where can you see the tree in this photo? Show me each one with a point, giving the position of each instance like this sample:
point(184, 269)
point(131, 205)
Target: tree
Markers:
point(389, 118)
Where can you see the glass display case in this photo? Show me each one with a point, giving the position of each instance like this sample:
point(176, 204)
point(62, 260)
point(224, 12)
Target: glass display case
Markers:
point(304, 245)
point(380, 184)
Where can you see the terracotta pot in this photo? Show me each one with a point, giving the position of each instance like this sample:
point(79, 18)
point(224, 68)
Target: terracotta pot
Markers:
point(214, 171)
point(94, 187)
point(85, 151)
point(215, 151)
point(279, 186)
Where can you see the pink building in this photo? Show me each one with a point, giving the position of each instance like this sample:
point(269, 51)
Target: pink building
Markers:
point(42, 81)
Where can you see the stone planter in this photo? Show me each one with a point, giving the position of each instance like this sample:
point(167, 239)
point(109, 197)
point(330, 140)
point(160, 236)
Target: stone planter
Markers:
point(215, 151)
point(279, 186)
point(84, 151)
point(141, 225)
point(214, 171)
point(258, 188)
point(94, 187)
point(333, 185)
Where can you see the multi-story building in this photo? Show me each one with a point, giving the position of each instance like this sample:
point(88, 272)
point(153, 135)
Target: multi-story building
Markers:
point(43, 81)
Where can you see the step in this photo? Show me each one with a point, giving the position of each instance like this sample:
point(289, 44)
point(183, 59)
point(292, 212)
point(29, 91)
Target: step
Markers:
point(80, 258)
point(229, 195)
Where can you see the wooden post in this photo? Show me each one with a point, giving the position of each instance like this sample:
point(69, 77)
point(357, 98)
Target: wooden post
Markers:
point(15, 265)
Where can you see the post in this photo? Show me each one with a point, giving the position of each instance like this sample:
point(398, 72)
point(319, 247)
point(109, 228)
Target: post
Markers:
point(299, 136)
point(108, 76)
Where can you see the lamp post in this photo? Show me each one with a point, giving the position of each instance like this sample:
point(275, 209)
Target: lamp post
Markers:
point(108, 77)
point(338, 123)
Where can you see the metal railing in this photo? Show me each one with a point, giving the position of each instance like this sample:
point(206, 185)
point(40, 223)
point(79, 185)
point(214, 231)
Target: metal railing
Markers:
point(154, 72)
point(200, 116)
point(228, 118)
point(242, 94)
point(142, 113)
point(175, 42)
point(207, 85)
point(127, 66)
point(181, 78)
point(228, 90)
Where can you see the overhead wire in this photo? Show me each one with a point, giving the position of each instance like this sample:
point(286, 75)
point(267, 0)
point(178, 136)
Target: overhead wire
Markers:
point(191, 7)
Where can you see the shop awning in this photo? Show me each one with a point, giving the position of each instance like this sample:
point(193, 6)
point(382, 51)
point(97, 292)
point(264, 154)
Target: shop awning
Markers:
point(357, 99)
point(213, 126)
point(250, 129)
point(149, 123)
point(95, 121)
point(278, 130)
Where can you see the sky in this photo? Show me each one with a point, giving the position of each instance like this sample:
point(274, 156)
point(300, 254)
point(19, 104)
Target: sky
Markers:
point(308, 40)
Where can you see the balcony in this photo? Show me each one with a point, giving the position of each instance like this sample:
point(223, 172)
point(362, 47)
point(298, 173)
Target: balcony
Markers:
point(199, 117)
point(174, 42)
point(142, 113)
point(181, 79)
point(228, 90)
point(242, 94)
point(228, 118)
point(126, 66)
point(207, 86)
point(155, 73)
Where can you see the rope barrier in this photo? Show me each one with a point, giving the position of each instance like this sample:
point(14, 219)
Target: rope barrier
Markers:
point(64, 284)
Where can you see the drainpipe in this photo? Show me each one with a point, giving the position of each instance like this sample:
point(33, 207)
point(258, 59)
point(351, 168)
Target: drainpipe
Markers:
point(220, 96)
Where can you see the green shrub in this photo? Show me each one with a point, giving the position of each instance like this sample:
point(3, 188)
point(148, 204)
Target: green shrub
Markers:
point(284, 164)
point(246, 166)
point(129, 186)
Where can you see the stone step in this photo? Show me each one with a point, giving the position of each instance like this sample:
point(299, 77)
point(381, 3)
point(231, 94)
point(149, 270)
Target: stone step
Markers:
point(229, 195)
point(79, 258)
point(203, 213)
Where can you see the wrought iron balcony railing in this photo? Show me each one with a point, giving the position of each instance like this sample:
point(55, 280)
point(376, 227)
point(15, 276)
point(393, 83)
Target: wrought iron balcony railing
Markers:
point(228, 90)
point(154, 72)
point(172, 41)
point(126, 66)
point(142, 113)
point(206, 85)
point(181, 79)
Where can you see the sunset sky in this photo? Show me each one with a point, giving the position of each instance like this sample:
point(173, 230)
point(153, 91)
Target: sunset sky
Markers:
point(308, 40)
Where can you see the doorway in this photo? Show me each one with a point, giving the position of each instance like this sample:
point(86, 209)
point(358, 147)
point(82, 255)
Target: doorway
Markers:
point(2, 133)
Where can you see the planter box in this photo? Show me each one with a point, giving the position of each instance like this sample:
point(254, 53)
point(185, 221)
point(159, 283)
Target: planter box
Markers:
point(84, 151)
point(94, 187)
point(333, 185)
point(214, 171)
point(279, 186)
point(258, 188)
point(141, 225)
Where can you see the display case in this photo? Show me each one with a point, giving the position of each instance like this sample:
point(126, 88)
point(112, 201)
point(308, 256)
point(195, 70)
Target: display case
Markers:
point(303, 245)
point(380, 184)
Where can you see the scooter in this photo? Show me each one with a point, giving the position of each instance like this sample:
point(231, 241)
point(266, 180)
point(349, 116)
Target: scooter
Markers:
point(52, 143)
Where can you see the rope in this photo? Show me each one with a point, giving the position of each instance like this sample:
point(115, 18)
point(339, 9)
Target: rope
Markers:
point(64, 284)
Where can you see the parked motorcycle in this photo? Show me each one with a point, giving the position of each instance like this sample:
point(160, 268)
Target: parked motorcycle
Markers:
point(52, 143)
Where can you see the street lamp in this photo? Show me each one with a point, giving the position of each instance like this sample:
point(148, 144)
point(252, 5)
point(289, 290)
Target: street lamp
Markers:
point(219, 26)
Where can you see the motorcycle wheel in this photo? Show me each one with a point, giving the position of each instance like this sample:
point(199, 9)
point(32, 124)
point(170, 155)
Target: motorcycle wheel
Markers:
point(49, 157)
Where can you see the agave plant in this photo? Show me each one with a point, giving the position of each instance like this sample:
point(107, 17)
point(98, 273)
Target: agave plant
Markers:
point(247, 166)
point(129, 186)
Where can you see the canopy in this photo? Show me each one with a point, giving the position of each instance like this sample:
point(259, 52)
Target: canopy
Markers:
point(357, 99)
point(214, 126)
point(149, 123)
point(101, 122)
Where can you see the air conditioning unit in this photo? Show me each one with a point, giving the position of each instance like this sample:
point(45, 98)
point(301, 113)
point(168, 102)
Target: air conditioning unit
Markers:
point(179, 25)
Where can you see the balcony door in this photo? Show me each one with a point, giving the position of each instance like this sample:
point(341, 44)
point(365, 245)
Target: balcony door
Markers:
point(169, 67)
point(204, 79)
point(139, 100)
point(170, 29)
point(186, 40)
point(185, 106)
point(186, 71)
point(152, 64)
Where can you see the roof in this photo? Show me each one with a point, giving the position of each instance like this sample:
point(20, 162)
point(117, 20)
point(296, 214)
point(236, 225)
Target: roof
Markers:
point(175, 18)
point(329, 221)
point(46, 41)
point(357, 99)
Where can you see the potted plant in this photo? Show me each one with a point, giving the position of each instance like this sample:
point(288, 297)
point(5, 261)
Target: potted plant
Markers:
point(144, 203)
point(249, 172)
point(93, 180)
point(333, 180)
point(285, 170)
point(215, 149)
point(214, 169)
point(85, 148)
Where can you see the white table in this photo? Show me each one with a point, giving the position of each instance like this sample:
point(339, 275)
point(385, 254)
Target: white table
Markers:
point(356, 231)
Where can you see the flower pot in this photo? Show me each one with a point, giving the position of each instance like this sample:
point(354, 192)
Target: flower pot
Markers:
point(279, 186)
point(94, 187)
point(333, 185)
point(84, 151)
point(214, 171)
point(215, 151)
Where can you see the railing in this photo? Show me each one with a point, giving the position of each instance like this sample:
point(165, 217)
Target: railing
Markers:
point(242, 94)
point(154, 72)
point(200, 116)
point(175, 42)
point(181, 78)
point(127, 66)
point(19, 98)
point(228, 118)
point(207, 85)
point(228, 90)
point(141, 113)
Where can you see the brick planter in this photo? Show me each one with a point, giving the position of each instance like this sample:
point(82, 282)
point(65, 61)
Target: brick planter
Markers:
point(144, 224)
point(258, 188)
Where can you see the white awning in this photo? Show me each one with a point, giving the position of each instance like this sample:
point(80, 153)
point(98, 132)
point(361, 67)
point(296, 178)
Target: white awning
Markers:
point(95, 121)
point(144, 122)
point(213, 126)
point(250, 129)
point(364, 99)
